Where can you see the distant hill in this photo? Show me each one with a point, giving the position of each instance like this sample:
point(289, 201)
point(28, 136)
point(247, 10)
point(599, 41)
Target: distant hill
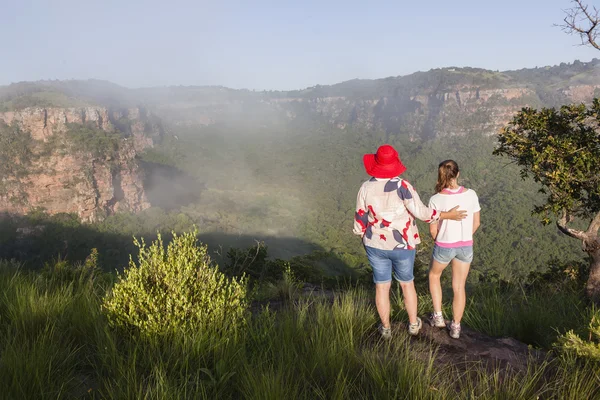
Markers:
point(439, 102)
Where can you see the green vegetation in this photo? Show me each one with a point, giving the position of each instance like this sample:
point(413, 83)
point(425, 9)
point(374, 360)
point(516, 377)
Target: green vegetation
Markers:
point(90, 139)
point(262, 186)
point(56, 343)
point(15, 159)
point(63, 94)
point(176, 291)
point(304, 185)
point(578, 72)
point(15, 151)
point(561, 150)
point(28, 95)
point(571, 342)
point(272, 191)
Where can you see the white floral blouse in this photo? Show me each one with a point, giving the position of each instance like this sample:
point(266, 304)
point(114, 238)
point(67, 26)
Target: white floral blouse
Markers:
point(385, 214)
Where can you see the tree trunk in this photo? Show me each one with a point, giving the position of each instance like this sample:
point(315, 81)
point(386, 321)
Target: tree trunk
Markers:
point(591, 245)
point(592, 288)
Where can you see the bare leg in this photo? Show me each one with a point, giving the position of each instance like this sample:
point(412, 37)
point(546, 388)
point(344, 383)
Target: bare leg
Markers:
point(382, 301)
point(435, 287)
point(460, 270)
point(410, 300)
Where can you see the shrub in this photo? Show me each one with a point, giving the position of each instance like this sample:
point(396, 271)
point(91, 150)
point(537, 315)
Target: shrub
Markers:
point(177, 289)
point(63, 272)
point(590, 349)
point(251, 261)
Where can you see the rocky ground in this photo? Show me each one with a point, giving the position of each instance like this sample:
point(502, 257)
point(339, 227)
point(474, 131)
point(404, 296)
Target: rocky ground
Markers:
point(474, 347)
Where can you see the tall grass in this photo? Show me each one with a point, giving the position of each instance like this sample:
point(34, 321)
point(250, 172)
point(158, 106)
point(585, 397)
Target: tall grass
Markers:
point(55, 343)
point(534, 316)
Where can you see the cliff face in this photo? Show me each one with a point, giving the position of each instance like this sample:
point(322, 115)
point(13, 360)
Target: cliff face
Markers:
point(43, 123)
point(431, 113)
point(61, 178)
point(441, 102)
point(83, 159)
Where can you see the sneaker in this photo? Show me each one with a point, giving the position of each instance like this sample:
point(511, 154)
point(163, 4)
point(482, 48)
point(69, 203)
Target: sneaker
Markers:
point(454, 330)
point(386, 333)
point(413, 329)
point(437, 321)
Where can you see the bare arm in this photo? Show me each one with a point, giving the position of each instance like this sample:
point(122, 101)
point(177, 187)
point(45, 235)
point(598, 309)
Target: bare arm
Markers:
point(454, 214)
point(433, 229)
point(476, 221)
point(413, 203)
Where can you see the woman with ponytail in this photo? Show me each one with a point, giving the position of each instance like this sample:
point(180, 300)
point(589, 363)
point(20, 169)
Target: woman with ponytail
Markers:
point(453, 243)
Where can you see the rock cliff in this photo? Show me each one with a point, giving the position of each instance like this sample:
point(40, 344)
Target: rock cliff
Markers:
point(63, 178)
point(431, 112)
point(83, 159)
point(440, 102)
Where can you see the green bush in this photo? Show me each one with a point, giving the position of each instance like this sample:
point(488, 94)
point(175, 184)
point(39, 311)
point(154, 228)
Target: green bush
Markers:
point(590, 349)
point(176, 290)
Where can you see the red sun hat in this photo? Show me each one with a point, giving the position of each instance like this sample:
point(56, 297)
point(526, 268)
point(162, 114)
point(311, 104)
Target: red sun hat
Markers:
point(384, 164)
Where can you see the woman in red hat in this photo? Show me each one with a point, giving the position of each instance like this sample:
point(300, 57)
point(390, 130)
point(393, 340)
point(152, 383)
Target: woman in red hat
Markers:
point(386, 208)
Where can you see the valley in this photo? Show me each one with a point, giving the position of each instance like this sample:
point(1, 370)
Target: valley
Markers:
point(269, 165)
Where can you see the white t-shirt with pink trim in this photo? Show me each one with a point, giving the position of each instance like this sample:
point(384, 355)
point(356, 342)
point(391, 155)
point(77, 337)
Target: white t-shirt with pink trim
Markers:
point(455, 233)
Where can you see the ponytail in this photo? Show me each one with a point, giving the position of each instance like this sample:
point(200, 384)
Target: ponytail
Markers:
point(447, 170)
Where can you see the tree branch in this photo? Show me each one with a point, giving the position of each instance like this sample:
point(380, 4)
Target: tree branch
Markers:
point(594, 226)
point(591, 20)
point(584, 9)
point(562, 225)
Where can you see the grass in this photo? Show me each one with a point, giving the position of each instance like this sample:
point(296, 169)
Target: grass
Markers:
point(534, 317)
point(55, 343)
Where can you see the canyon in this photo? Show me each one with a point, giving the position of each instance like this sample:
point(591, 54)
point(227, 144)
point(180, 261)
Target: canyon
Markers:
point(60, 176)
point(60, 179)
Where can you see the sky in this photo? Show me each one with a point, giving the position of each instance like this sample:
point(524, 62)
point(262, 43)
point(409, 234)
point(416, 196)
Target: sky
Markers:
point(274, 45)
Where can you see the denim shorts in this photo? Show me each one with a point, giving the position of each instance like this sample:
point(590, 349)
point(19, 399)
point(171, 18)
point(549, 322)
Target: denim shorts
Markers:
point(383, 261)
point(446, 254)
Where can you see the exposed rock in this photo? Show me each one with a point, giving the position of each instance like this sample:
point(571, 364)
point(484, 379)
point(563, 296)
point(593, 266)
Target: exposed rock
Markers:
point(425, 112)
point(43, 123)
point(581, 93)
point(78, 182)
point(472, 346)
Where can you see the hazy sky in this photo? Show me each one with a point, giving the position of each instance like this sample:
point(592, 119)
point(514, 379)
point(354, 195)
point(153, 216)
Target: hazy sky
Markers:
point(275, 44)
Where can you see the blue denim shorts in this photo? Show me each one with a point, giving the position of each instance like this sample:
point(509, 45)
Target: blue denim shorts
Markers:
point(383, 261)
point(446, 254)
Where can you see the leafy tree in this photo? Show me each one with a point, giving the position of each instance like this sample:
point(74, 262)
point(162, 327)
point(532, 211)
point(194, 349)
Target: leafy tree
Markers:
point(561, 150)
